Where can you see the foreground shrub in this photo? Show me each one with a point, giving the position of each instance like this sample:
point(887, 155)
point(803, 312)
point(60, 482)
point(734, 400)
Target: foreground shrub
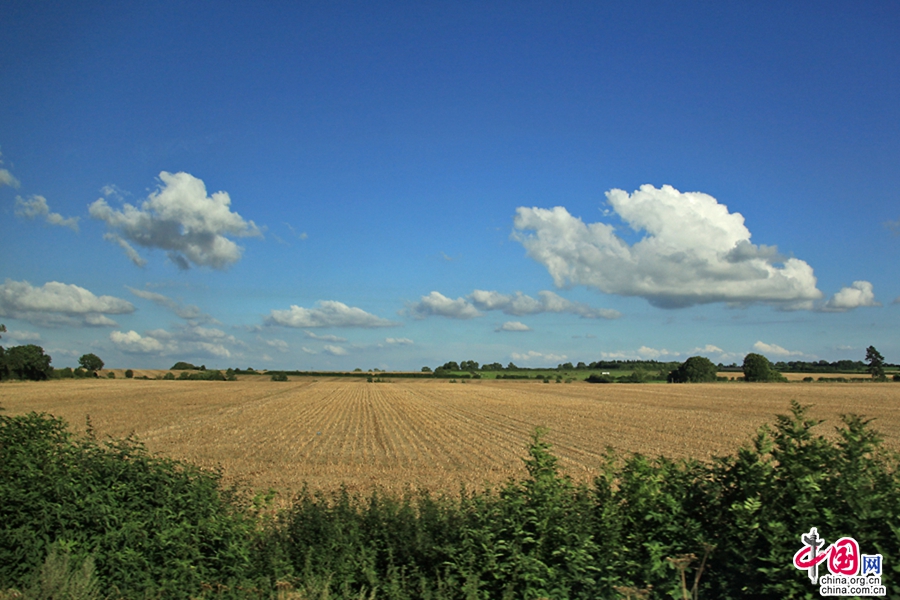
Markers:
point(151, 526)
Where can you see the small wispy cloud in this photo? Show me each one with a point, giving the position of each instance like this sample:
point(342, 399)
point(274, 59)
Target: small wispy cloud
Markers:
point(279, 345)
point(184, 311)
point(35, 207)
point(300, 235)
point(324, 338)
point(6, 178)
point(513, 326)
point(775, 350)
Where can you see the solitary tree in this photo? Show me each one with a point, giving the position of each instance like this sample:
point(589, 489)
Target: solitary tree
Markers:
point(90, 362)
point(758, 368)
point(876, 363)
point(694, 370)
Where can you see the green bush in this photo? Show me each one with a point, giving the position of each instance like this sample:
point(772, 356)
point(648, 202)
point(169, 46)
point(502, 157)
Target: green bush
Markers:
point(154, 527)
point(169, 376)
point(129, 374)
point(696, 369)
point(281, 377)
point(183, 366)
point(757, 367)
point(64, 373)
point(110, 375)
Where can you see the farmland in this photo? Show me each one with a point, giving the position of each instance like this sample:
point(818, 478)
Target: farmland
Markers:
point(431, 433)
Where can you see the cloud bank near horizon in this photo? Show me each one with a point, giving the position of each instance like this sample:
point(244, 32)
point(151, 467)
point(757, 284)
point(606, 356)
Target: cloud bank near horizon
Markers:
point(693, 252)
point(326, 313)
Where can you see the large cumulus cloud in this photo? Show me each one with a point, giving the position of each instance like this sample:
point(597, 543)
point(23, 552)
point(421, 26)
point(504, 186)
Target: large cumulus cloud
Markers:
point(180, 218)
point(693, 252)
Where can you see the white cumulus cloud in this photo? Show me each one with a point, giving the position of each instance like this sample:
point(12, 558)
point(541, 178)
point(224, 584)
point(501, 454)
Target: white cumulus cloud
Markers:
point(775, 350)
point(437, 304)
point(183, 220)
point(514, 326)
point(398, 341)
point(326, 313)
point(36, 207)
point(56, 303)
point(134, 343)
point(693, 251)
point(859, 294)
point(335, 350)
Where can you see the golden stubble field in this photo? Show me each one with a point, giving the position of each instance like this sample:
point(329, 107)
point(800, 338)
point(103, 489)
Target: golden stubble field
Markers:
point(431, 433)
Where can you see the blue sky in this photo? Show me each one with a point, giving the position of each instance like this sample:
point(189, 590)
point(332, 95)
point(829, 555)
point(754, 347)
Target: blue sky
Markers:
point(339, 185)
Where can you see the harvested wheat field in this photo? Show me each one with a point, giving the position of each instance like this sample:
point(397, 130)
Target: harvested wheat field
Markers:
point(431, 433)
